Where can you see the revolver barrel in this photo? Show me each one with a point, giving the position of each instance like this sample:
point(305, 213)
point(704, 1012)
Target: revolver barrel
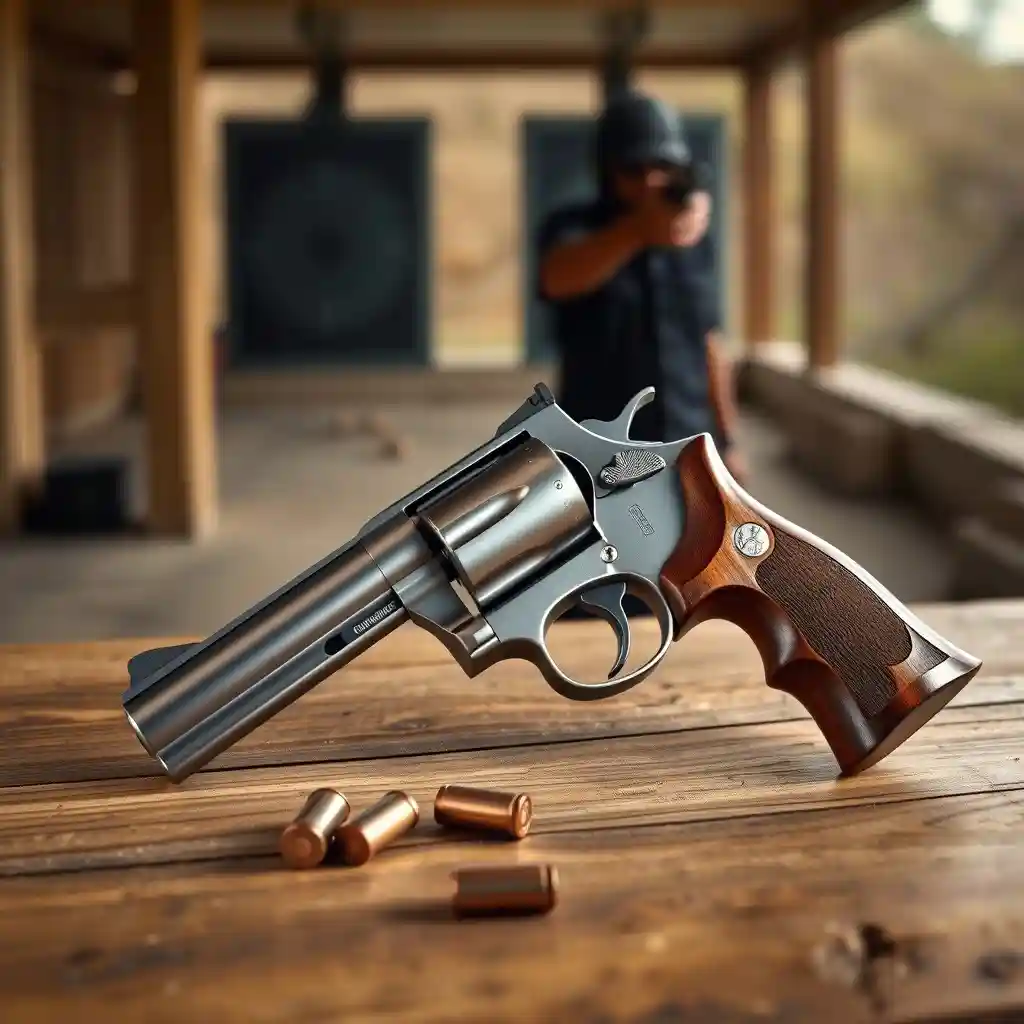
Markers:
point(493, 530)
point(191, 710)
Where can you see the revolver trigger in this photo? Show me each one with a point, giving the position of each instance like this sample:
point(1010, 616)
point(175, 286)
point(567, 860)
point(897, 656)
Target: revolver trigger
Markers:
point(606, 602)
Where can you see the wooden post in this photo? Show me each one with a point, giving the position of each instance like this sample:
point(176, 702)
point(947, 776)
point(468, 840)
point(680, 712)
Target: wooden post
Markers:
point(759, 205)
point(174, 328)
point(822, 322)
point(22, 438)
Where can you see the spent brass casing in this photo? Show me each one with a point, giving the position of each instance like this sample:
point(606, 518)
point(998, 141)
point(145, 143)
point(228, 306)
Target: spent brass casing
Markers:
point(523, 889)
point(378, 826)
point(467, 807)
point(305, 842)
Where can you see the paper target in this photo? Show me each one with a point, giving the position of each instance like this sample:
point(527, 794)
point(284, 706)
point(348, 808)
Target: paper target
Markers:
point(328, 242)
point(328, 249)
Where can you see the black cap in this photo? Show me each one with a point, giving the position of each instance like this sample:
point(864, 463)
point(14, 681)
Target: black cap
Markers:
point(638, 129)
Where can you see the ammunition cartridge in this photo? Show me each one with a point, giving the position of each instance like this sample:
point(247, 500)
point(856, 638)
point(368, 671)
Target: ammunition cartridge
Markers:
point(305, 842)
point(523, 889)
point(466, 807)
point(378, 826)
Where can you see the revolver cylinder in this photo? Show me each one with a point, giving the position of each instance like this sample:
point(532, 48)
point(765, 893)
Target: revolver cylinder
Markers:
point(493, 529)
point(509, 521)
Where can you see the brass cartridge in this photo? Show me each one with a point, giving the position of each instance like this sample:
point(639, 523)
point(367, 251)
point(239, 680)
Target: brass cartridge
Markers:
point(467, 807)
point(378, 826)
point(523, 889)
point(304, 843)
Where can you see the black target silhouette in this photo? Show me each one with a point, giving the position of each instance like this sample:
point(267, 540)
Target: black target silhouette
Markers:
point(328, 249)
point(328, 242)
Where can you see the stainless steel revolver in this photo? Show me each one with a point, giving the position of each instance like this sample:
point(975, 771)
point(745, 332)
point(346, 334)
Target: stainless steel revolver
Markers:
point(547, 515)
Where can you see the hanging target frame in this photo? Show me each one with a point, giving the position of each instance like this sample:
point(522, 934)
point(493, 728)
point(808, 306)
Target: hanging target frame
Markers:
point(328, 242)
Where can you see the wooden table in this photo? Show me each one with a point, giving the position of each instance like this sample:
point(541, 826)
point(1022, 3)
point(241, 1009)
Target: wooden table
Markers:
point(712, 867)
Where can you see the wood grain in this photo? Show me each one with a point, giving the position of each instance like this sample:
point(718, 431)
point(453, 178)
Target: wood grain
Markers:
point(864, 666)
point(692, 775)
point(822, 273)
point(176, 364)
point(760, 215)
point(698, 828)
point(724, 921)
point(61, 718)
point(22, 422)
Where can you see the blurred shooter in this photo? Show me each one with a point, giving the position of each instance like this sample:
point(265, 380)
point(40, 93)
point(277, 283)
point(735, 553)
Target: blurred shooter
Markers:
point(632, 303)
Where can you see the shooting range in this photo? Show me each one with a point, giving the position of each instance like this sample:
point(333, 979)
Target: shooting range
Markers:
point(328, 217)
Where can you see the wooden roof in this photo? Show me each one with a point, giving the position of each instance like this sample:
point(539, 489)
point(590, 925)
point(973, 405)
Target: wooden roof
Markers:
point(467, 33)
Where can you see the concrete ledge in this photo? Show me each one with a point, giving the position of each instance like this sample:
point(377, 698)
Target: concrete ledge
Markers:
point(865, 387)
point(960, 469)
point(770, 380)
point(986, 563)
point(988, 550)
point(948, 455)
point(849, 445)
point(850, 451)
point(1005, 512)
point(376, 385)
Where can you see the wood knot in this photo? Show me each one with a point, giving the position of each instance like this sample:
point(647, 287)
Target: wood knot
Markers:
point(860, 956)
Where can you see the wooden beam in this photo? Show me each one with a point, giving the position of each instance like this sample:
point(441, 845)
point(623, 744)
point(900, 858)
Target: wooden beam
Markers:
point(828, 18)
point(174, 329)
point(832, 16)
point(759, 206)
point(837, 17)
point(70, 49)
point(428, 7)
point(21, 409)
point(111, 306)
point(473, 60)
point(822, 321)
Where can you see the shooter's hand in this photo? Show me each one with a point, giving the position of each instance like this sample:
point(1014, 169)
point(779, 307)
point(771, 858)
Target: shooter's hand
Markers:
point(659, 222)
point(692, 224)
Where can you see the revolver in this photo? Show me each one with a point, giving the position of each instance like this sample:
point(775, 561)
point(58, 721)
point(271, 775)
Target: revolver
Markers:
point(553, 514)
point(681, 186)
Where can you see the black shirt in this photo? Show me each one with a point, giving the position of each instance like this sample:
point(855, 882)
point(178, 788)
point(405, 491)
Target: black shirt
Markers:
point(647, 326)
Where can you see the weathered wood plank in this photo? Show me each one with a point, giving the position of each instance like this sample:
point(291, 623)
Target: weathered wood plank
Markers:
point(108, 306)
point(176, 365)
point(760, 224)
point(823, 280)
point(722, 921)
point(693, 775)
point(62, 721)
point(22, 430)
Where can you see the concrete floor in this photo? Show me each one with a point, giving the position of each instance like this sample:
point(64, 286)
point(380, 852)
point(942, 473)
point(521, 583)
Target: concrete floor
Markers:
point(293, 490)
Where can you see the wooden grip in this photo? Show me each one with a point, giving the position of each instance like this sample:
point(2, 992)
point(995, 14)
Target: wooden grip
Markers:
point(869, 672)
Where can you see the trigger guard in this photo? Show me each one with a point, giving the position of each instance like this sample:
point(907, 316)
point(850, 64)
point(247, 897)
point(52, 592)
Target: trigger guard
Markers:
point(573, 689)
